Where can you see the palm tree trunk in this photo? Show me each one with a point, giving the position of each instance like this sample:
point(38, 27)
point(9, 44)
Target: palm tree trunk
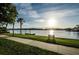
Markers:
point(20, 27)
point(13, 29)
point(6, 26)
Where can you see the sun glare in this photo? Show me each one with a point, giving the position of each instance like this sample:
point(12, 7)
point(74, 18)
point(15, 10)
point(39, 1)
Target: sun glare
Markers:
point(51, 32)
point(52, 22)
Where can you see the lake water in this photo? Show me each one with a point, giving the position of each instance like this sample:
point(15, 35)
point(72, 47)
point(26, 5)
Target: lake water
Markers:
point(57, 33)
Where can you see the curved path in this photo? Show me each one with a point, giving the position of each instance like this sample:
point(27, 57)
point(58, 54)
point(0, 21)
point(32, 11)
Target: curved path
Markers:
point(51, 47)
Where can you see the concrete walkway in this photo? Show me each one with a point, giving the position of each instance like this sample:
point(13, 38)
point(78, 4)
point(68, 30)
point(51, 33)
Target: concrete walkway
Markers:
point(51, 47)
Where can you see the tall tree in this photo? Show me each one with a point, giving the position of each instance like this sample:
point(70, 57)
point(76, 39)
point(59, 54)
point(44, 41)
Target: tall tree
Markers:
point(20, 20)
point(8, 14)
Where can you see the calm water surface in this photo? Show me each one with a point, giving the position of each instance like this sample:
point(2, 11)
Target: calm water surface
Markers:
point(57, 33)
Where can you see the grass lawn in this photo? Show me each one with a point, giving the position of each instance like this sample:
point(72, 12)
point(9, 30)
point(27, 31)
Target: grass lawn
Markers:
point(61, 41)
point(8, 47)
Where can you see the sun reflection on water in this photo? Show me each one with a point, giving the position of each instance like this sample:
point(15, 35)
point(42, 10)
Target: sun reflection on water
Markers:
point(51, 32)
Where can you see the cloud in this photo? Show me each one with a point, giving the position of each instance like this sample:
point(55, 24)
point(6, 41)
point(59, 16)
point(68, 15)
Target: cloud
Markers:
point(33, 14)
point(39, 15)
point(40, 20)
point(59, 13)
point(24, 6)
point(25, 10)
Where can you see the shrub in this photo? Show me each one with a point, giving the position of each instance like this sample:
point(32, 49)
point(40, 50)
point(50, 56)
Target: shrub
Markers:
point(3, 30)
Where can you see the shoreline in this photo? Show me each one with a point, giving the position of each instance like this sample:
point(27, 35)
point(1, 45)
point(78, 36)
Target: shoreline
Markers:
point(59, 41)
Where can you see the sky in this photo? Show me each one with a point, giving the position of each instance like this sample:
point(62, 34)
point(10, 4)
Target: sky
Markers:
point(36, 15)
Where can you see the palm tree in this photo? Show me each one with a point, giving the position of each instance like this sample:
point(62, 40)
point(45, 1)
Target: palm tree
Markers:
point(20, 20)
point(13, 28)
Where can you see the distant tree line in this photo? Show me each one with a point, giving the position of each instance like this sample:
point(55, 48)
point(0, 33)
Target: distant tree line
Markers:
point(76, 28)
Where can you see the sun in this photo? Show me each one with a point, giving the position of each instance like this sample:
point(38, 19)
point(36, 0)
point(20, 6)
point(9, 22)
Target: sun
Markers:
point(52, 22)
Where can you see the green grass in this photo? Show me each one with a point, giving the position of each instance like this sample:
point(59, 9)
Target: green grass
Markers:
point(61, 41)
point(8, 47)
